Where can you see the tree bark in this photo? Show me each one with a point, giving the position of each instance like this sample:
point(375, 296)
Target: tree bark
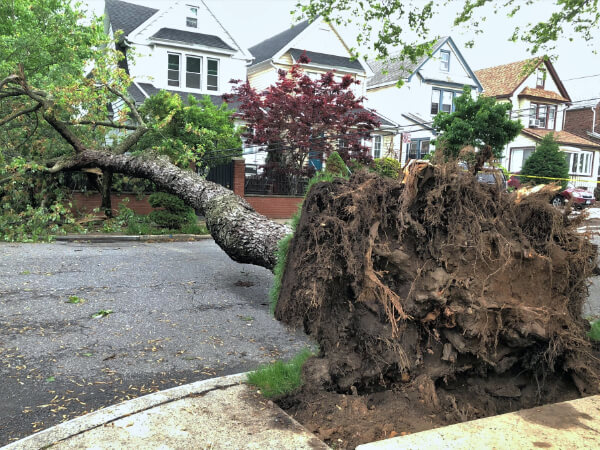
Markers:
point(106, 206)
point(246, 236)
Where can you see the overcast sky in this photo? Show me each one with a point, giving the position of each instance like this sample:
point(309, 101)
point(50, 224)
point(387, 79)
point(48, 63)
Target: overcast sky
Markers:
point(252, 21)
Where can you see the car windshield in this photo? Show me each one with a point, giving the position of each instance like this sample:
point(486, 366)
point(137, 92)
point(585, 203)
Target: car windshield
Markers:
point(486, 177)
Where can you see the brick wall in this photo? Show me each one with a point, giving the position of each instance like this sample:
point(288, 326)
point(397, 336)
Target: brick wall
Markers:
point(85, 203)
point(578, 121)
point(274, 207)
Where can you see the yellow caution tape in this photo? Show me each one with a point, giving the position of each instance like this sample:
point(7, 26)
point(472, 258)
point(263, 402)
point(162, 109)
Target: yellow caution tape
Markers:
point(553, 178)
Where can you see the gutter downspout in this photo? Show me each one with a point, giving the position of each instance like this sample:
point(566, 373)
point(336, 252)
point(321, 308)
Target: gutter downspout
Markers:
point(594, 117)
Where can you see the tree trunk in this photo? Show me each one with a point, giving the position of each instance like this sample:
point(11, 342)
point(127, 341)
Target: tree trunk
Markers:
point(106, 206)
point(246, 236)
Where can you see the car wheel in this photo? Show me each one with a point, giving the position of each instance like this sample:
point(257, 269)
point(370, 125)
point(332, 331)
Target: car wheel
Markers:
point(558, 201)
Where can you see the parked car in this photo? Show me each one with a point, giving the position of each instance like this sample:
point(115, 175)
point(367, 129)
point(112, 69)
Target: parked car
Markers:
point(579, 198)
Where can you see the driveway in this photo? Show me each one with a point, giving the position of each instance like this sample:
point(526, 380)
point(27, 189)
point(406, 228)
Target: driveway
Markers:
point(166, 314)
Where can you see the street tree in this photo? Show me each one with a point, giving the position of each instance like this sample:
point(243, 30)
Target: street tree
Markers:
point(43, 76)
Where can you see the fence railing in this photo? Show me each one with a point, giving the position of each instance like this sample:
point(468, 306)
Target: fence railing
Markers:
point(262, 181)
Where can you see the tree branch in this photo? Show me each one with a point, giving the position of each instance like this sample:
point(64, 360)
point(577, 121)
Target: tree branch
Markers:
point(105, 123)
point(130, 140)
point(16, 114)
point(129, 103)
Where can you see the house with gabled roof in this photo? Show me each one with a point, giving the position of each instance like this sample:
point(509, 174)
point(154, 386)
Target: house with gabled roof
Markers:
point(412, 93)
point(539, 100)
point(180, 47)
point(327, 51)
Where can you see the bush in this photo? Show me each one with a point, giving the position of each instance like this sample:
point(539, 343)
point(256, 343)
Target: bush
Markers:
point(546, 161)
point(174, 213)
point(335, 165)
point(387, 167)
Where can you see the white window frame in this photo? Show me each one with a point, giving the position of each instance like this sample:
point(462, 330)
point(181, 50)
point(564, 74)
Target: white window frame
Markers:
point(583, 161)
point(198, 73)
point(377, 145)
point(192, 15)
point(208, 74)
point(169, 79)
point(445, 63)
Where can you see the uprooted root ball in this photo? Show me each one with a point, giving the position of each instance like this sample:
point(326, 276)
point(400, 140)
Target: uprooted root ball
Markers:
point(439, 279)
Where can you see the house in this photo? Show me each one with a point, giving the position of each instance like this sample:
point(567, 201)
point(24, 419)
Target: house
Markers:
point(583, 116)
point(429, 86)
point(180, 47)
point(539, 100)
point(327, 51)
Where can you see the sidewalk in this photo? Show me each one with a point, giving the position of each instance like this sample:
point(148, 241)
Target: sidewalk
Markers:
point(218, 413)
point(224, 413)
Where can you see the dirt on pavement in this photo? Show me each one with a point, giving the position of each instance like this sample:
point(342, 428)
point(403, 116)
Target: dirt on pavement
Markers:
point(434, 301)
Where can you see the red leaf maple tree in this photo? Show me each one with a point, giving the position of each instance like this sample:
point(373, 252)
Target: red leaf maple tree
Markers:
point(299, 117)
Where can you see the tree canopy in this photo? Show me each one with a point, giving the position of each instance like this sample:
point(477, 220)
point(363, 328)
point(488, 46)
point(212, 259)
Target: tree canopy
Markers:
point(386, 25)
point(480, 123)
point(306, 115)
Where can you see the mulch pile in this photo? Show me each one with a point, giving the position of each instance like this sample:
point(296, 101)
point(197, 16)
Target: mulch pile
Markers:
point(434, 301)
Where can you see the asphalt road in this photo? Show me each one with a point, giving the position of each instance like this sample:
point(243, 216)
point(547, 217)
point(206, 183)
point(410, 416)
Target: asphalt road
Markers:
point(181, 312)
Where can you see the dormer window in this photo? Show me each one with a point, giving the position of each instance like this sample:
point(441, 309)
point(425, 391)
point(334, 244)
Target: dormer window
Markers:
point(541, 78)
point(444, 60)
point(192, 16)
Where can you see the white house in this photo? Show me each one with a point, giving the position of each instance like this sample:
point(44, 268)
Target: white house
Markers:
point(539, 100)
point(180, 47)
point(429, 86)
point(327, 51)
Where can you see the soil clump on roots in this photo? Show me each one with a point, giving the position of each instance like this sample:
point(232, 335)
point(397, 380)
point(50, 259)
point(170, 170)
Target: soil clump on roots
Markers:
point(434, 301)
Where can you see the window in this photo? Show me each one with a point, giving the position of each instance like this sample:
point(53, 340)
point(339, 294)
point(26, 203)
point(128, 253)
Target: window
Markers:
point(541, 78)
point(212, 74)
point(418, 149)
point(444, 60)
point(173, 69)
point(192, 16)
point(518, 156)
point(580, 163)
point(192, 74)
point(447, 101)
point(542, 116)
point(442, 100)
point(435, 101)
point(377, 146)
point(342, 145)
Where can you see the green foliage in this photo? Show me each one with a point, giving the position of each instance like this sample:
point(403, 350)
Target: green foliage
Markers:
point(546, 161)
point(280, 378)
point(476, 123)
point(387, 167)
point(594, 333)
point(174, 213)
point(197, 132)
point(399, 25)
point(282, 251)
point(335, 165)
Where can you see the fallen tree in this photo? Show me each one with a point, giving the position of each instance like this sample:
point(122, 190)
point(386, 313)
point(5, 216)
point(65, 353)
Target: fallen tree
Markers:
point(438, 280)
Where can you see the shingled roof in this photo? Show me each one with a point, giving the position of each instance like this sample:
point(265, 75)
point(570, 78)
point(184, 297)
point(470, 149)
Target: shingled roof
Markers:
point(542, 93)
point(327, 60)
point(127, 16)
point(150, 90)
point(501, 81)
point(394, 69)
point(562, 137)
point(190, 37)
point(268, 48)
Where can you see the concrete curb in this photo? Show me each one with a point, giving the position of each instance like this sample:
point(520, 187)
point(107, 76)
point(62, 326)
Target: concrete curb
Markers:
point(100, 238)
point(98, 418)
